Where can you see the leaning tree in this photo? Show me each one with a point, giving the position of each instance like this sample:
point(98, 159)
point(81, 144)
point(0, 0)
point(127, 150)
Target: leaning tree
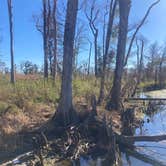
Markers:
point(122, 54)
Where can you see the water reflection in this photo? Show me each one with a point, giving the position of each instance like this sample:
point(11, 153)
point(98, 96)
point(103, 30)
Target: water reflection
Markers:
point(154, 124)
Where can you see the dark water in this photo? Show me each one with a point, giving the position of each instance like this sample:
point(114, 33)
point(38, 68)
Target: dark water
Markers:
point(155, 124)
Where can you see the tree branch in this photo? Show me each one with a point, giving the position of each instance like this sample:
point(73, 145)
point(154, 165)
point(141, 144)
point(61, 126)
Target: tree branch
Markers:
point(137, 29)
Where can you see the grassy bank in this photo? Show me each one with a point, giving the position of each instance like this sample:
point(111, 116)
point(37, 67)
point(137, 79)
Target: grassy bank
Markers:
point(31, 101)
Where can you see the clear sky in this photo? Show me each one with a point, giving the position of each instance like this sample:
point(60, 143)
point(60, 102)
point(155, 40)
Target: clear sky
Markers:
point(28, 41)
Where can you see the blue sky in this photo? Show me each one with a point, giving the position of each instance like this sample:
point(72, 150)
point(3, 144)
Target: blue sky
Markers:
point(28, 41)
point(154, 27)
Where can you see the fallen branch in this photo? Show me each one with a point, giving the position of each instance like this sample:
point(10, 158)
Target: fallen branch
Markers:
point(146, 99)
point(129, 140)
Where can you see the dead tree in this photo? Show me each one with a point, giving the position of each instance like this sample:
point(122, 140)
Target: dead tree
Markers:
point(65, 111)
point(46, 24)
point(121, 59)
point(12, 77)
point(140, 57)
point(124, 9)
point(45, 35)
point(55, 39)
point(90, 53)
point(92, 24)
point(162, 61)
point(137, 30)
point(78, 43)
point(107, 44)
point(140, 61)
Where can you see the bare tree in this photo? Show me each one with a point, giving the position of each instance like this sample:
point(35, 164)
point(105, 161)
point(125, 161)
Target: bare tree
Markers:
point(113, 4)
point(65, 109)
point(162, 61)
point(45, 35)
point(140, 44)
point(46, 24)
point(121, 59)
point(140, 59)
point(90, 53)
point(55, 38)
point(92, 24)
point(137, 30)
point(78, 42)
point(124, 9)
point(153, 61)
point(12, 78)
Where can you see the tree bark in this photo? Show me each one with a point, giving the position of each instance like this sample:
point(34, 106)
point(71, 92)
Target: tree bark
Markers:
point(12, 77)
point(65, 109)
point(124, 8)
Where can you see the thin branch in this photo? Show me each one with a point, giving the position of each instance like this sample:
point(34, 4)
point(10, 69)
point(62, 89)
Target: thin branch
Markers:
point(137, 29)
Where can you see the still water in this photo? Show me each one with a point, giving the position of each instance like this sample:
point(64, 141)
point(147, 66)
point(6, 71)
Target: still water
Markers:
point(154, 124)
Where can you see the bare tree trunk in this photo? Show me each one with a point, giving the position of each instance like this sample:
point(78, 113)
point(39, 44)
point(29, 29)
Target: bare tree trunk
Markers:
point(55, 39)
point(96, 53)
point(160, 75)
point(124, 8)
point(45, 39)
point(92, 18)
point(140, 55)
point(121, 59)
point(49, 43)
point(65, 109)
point(140, 67)
point(108, 37)
point(12, 78)
point(161, 64)
point(90, 52)
point(156, 77)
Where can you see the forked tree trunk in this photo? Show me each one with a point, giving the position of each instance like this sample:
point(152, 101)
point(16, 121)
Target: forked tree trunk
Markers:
point(124, 9)
point(92, 19)
point(65, 111)
point(12, 77)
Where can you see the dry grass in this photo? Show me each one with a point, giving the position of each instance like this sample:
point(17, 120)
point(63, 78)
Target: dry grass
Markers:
point(32, 101)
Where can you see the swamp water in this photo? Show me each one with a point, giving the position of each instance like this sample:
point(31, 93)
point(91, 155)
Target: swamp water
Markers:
point(154, 124)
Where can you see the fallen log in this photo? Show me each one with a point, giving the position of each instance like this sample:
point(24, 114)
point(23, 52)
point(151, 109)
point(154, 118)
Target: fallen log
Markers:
point(128, 141)
point(146, 99)
point(155, 138)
